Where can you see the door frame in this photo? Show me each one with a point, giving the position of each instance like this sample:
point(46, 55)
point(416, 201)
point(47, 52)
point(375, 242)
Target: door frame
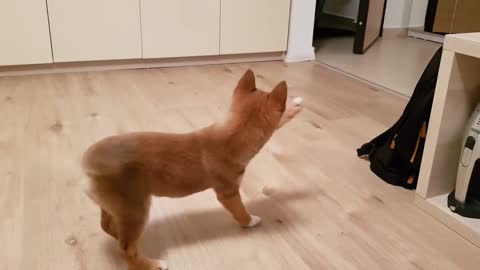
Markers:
point(430, 16)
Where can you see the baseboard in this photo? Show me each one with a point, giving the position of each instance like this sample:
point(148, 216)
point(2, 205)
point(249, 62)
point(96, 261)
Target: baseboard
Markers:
point(418, 32)
point(137, 64)
point(415, 32)
point(299, 56)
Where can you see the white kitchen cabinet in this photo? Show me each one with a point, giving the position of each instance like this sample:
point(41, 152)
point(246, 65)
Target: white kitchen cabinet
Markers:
point(176, 28)
point(252, 26)
point(24, 33)
point(87, 30)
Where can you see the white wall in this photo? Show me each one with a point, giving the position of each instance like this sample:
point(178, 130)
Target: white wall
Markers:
point(397, 15)
point(419, 11)
point(300, 37)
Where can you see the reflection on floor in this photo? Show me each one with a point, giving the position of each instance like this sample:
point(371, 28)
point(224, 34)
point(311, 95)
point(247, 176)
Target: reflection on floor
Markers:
point(395, 62)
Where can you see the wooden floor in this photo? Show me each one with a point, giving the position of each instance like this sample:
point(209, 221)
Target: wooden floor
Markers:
point(321, 206)
point(409, 56)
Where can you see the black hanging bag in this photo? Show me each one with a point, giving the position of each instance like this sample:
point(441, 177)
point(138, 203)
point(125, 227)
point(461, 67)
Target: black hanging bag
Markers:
point(396, 154)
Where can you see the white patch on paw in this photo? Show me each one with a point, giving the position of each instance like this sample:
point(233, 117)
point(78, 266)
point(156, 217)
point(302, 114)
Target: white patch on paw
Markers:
point(163, 265)
point(254, 222)
point(297, 101)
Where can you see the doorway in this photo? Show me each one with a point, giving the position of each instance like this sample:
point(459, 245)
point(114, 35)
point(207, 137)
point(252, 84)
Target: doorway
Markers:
point(393, 62)
point(364, 22)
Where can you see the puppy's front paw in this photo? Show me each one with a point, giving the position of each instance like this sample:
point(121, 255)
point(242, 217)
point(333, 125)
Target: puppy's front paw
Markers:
point(254, 221)
point(147, 264)
point(298, 101)
point(162, 265)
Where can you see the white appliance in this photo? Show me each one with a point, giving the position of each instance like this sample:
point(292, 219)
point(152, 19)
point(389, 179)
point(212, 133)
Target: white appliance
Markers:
point(465, 199)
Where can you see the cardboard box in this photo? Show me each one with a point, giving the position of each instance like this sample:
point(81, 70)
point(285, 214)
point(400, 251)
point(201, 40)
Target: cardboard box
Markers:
point(457, 16)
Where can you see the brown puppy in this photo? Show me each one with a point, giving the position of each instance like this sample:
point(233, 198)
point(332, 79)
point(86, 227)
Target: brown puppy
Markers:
point(126, 170)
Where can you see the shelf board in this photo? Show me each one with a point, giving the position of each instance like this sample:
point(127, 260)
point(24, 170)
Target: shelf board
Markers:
point(469, 228)
point(468, 44)
point(442, 203)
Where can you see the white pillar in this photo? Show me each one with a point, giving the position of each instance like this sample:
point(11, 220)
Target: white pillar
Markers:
point(300, 38)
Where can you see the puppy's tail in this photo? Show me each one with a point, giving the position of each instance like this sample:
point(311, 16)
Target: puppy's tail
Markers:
point(92, 175)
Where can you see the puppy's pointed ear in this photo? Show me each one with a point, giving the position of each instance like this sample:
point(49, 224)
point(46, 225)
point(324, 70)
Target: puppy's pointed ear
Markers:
point(278, 97)
point(246, 83)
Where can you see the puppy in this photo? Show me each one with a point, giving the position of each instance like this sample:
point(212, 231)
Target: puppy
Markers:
point(125, 171)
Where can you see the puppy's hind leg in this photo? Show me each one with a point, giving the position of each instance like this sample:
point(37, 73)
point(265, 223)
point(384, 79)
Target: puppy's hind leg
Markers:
point(130, 224)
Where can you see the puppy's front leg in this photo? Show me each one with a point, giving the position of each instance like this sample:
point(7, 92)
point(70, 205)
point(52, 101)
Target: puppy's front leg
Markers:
point(233, 203)
point(288, 115)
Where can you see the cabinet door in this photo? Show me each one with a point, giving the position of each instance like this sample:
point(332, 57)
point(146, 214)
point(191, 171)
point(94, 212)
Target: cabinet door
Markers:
point(25, 38)
point(250, 26)
point(174, 28)
point(86, 30)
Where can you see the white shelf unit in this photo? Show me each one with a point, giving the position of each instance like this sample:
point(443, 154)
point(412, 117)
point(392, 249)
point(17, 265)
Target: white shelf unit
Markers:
point(456, 95)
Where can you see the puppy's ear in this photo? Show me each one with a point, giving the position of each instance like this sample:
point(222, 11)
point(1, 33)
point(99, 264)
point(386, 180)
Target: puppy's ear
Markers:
point(278, 97)
point(246, 83)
